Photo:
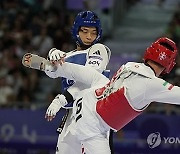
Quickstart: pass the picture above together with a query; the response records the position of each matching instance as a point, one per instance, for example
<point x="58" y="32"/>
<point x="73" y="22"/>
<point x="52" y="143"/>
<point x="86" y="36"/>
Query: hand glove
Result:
<point x="58" y="102"/>
<point x="56" y="55"/>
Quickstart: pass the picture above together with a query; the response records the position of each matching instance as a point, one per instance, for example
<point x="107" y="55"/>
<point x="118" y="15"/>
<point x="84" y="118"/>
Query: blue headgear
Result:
<point x="89" y="19"/>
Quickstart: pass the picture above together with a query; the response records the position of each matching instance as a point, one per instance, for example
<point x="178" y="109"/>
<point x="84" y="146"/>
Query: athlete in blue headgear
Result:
<point x="87" y="32"/>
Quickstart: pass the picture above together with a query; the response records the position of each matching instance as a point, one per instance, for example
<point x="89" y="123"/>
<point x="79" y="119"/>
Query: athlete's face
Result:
<point x="88" y="34"/>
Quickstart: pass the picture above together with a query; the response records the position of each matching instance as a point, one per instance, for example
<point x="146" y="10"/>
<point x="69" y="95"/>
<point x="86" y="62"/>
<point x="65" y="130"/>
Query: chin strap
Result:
<point x="84" y="47"/>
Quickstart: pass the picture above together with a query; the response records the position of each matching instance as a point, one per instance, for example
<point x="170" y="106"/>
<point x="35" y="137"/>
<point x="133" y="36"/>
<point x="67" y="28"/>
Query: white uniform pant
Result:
<point x="71" y="144"/>
<point x="95" y="145"/>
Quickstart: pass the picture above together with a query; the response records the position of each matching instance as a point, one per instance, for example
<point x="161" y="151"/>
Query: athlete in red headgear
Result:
<point x="113" y="104"/>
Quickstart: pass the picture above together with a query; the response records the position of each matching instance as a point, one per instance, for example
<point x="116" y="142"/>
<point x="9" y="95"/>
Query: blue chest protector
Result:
<point x="76" y="59"/>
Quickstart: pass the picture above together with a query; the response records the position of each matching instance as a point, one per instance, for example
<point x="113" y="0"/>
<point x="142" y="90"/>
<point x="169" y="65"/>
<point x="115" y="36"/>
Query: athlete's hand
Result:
<point x="56" y="56"/>
<point x="58" y="102"/>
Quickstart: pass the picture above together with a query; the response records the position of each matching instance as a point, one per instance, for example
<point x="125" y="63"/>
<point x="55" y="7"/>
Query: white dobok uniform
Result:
<point x="97" y="57"/>
<point x="112" y="104"/>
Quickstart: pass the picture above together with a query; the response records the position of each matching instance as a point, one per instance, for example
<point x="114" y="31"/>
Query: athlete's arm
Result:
<point x="163" y="92"/>
<point x="83" y="74"/>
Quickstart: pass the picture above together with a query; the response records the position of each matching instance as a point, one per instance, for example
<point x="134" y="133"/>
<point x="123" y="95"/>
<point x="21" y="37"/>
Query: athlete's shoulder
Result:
<point x="140" y="68"/>
<point x="133" y="64"/>
<point x="99" y="50"/>
<point x="98" y="45"/>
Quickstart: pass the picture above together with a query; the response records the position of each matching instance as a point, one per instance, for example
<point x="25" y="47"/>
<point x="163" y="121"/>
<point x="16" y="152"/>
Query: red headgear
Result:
<point x="164" y="52"/>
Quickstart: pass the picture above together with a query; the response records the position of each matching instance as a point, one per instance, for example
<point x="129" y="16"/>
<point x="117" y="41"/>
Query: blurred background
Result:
<point x="129" y="26"/>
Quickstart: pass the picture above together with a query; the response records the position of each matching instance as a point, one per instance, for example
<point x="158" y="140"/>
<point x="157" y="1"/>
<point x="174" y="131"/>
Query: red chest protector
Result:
<point x="115" y="110"/>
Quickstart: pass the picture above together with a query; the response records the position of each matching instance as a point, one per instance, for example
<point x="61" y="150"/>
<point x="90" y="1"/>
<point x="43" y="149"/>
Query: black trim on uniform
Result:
<point x="68" y="96"/>
<point x="111" y="141"/>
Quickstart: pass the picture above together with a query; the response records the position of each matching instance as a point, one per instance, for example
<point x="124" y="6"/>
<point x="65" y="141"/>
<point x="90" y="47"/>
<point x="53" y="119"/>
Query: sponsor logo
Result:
<point x="97" y="52"/>
<point x="155" y="139"/>
<point x="94" y="62"/>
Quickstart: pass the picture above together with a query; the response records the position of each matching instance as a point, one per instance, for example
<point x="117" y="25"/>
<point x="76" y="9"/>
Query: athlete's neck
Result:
<point x="82" y="47"/>
<point x="158" y="69"/>
<point x="78" y="48"/>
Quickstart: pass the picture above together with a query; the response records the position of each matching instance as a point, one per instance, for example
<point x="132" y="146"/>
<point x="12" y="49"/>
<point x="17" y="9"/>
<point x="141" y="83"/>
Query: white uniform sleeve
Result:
<point x="76" y="88"/>
<point x="79" y="73"/>
<point x="163" y="92"/>
<point x="98" y="57"/>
